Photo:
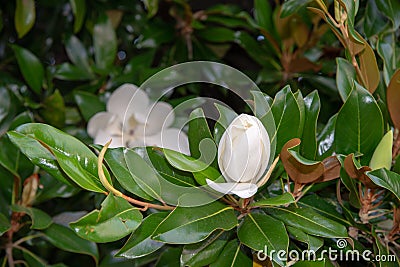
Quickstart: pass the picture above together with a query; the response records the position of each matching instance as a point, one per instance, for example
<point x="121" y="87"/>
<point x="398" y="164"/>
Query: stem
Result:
<point x="117" y="193"/>
<point x="24" y="239"/>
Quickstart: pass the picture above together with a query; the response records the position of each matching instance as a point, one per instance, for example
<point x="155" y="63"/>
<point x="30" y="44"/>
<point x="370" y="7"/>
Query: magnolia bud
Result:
<point x="243" y="155"/>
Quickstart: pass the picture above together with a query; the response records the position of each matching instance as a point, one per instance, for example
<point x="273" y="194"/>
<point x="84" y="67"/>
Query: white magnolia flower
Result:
<point x="243" y="156"/>
<point x="132" y="120"/>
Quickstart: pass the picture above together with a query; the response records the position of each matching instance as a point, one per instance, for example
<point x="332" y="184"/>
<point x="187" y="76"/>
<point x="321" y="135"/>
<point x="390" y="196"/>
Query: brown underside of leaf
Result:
<point x="369" y="68"/>
<point x="358" y="174"/>
<point x="300" y="173"/>
<point x="393" y="99"/>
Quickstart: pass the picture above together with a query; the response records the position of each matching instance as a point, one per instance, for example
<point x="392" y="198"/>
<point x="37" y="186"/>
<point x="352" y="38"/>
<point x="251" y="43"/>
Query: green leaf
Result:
<point x="352" y="8"/>
<point x="115" y="220"/>
<point x="25" y="15"/>
<point x="323" y="207"/>
<point x="391" y="9"/>
<point x="105" y="43"/>
<point x="313" y="243"/>
<point x="309" y="221"/>
<point x="40" y="219"/>
<point x="65" y="239"/>
<point x="89" y="104"/>
<point x="263" y="15"/>
<point x="382" y="157"/>
<point x="386" y="179"/>
<point x="52" y="188"/>
<point x="189" y="164"/>
<point x="374" y="21"/>
<point x="284" y="199"/>
<point x="312" y="105"/>
<point x="140" y="243"/>
<point x="53" y="110"/>
<point x="31" y="68"/>
<point x="77" y="53"/>
<point x="79" y="10"/>
<point x="359" y="125"/>
<point x="345" y="77"/>
<point x="216" y="34"/>
<point x="326" y="139"/>
<point x="5" y="224"/>
<point x="232" y="256"/>
<point x="319" y="263"/>
<point x="201" y="141"/>
<point x="69" y="72"/>
<point x="74" y="158"/>
<point x="261" y="232"/>
<point x="170" y="257"/>
<point x="287" y="117"/>
<point x="38" y="155"/>
<point x="226" y="116"/>
<point x="291" y="7"/>
<point x="32" y="259"/>
<point x="115" y="159"/>
<point x="205" y="252"/>
<point x="194" y="224"/>
<point x="152" y="7"/>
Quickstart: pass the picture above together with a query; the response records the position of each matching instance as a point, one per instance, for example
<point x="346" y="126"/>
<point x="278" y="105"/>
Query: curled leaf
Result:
<point x="303" y="171"/>
<point x="358" y="172"/>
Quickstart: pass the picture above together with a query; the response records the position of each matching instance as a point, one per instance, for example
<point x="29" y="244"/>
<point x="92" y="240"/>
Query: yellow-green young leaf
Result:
<point x="393" y="98"/>
<point x="382" y="157"/>
<point x="25" y="14"/>
<point x="79" y="10"/>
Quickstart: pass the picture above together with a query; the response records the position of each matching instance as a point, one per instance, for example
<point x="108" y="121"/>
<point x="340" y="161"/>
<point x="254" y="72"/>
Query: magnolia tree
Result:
<point x="194" y="182"/>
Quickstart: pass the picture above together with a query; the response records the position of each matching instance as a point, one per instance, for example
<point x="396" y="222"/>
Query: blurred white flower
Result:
<point x="243" y="156"/>
<point x="132" y="120"/>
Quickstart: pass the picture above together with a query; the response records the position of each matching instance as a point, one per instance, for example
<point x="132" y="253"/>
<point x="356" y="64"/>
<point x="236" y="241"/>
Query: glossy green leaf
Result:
<point x="323" y="207"/>
<point x="386" y="50"/>
<point x="194" y="224"/>
<point x="140" y="243"/>
<point x="38" y="155"/>
<point x="40" y="219"/>
<point x="284" y="199"/>
<point x="352" y="9"/>
<point x="52" y="188"/>
<point x="76" y="52"/>
<point x="232" y="256"/>
<point x="345" y="77"/>
<point x="382" y="157"/>
<point x="74" y="158"/>
<point x="287" y="117"/>
<point x="386" y="179"/>
<point x="326" y="139"/>
<point x="205" y="252"/>
<point x="319" y="263"/>
<point x="25" y="16"/>
<point x="186" y="163"/>
<point x="31" y="68"/>
<point x="79" y="10"/>
<point x="151" y="6"/>
<point x="69" y="72"/>
<point x="105" y="43"/>
<point x="53" y="110"/>
<point x="226" y="116"/>
<point x="32" y="259"/>
<point x="252" y="47"/>
<point x="115" y="159"/>
<point x="216" y="34"/>
<point x="263" y="14"/>
<point x="89" y="104"/>
<point x="391" y="9"/>
<point x="374" y="21"/>
<point x="9" y="156"/>
<point x="65" y="239"/>
<point x="170" y="257"/>
<point x="313" y="243"/>
<point x="359" y="125"/>
<point x="309" y="221"/>
<point x="115" y="220"/>
<point x="308" y="146"/>
<point x="291" y="7"/>
<point x="262" y="232"/>
<point x="5" y="224"/>
<point x="201" y="141"/>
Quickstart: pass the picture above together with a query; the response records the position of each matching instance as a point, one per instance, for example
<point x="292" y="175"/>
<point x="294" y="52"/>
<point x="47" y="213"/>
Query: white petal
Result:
<point x="126" y="100"/>
<point x="157" y="116"/>
<point x="103" y="137"/>
<point x="171" y="138"/>
<point x="99" y="122"/>
<point x="242" y="190"/>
